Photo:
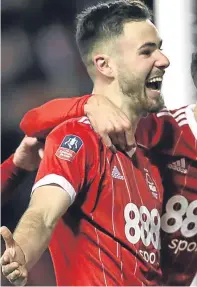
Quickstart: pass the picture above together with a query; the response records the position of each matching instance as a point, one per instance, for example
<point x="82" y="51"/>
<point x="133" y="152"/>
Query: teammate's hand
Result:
<point x="110" y="123"/>
<point x="29" y="154"/>
<point x="13" y="262"/>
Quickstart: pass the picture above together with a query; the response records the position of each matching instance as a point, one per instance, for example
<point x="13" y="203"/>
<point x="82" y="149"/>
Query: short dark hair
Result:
<point x="105" y="20"/>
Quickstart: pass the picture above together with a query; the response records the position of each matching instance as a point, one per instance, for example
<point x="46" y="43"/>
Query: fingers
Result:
<point x="107" y="141"/>
<point x="118" y="133"/>
<point x="9" y="268"/>
<point x="130" y="140"/>
<point x="15" y="274"/>
<point x="29" y="141"/>
<point x="22" y="281"/>
<point x="123" y="120"/>
<point x="5" y="259"/>
<point x="7" y="236"/>
<point x="18" y="278"/>
<point x="114" y="134"/>
<point x="119" y="140"/>
<point x="104" y="133"/>
<point x="115" y="129"/>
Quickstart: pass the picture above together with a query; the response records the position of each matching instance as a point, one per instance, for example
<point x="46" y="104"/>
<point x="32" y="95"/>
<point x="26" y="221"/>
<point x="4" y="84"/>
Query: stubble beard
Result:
<point x="156" y="106"/>
<point x="136" y="91"/>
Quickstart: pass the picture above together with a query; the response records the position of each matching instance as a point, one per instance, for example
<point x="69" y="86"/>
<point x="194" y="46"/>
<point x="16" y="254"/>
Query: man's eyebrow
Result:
<point x="150" y="45"/>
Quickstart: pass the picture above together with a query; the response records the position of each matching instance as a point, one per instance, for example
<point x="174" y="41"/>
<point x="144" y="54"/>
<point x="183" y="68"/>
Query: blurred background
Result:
<point x="40" y="62"/>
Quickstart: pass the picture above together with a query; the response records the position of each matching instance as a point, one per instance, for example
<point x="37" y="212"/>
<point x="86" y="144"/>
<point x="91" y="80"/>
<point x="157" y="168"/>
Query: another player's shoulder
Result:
<point x="179" y="115"/>
<point x="184" y="117"/>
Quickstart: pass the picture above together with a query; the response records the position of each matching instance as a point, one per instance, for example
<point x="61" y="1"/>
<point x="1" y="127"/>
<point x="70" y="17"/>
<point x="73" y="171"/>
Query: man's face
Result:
<point x="140" y="65"/>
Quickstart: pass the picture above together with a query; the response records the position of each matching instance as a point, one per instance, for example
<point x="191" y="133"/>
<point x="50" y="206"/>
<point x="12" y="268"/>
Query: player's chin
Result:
<point x="155" y="101"/>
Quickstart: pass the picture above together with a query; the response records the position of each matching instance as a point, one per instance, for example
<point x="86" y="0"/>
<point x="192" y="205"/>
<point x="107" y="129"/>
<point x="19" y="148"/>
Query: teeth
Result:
<point x="156" y="79"/>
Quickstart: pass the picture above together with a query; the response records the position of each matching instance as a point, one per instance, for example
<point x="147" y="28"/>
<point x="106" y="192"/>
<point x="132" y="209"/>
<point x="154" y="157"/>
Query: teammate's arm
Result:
<point x="40" y="121"/>
<point x="11" y="177"/>
<point x="13" y="171"/>
<point x="32" y="235"/>
<point x="107" y="120"/>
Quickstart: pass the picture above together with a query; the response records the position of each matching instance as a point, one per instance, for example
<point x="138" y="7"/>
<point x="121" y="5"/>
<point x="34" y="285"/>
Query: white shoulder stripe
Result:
<point x="183" y="122"/>
<point x="180" y="117"/>
<point x="177" y="113"/>
<point x="59" y="180"/>
<point x="171" y="113"/>
<point x="165" y="113"/>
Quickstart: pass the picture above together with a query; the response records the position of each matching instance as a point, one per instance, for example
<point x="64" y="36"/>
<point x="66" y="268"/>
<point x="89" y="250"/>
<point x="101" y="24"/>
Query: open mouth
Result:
<point x="154" y="83"/>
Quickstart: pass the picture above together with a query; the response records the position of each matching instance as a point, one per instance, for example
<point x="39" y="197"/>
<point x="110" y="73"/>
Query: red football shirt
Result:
<point x="111" y="233"/>
<point x="172" y="137"/>
<point x="174" y="142"/>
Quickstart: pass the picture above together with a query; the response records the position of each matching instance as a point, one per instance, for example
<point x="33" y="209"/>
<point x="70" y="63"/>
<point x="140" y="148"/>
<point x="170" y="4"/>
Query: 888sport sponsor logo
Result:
<point x="181" y="216"/>
<point x="143" y="224"/>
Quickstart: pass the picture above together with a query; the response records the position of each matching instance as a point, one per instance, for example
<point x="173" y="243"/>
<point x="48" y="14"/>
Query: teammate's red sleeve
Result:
<point x="11" y="177"/>
<point x="40" y="121"/>
<point x="70" y="158"/>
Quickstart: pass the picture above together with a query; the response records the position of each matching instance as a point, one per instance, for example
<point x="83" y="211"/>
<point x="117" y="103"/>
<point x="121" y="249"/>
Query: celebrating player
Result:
<point x="86" y="179"/>
<point x="184" y="166"/>
<point x="179" y="173"/>
<point x="167" y="129"/>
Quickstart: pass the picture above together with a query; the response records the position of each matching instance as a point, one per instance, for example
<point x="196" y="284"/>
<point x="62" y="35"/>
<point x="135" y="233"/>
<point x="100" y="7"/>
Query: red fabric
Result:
<point x="105" y="244"/>
<point x="170" y="137"/>
<point x="165" y="130"/>
<point x="11" y="177"/>
<point x="176" y="147"/>
<point x="40" y="121"/>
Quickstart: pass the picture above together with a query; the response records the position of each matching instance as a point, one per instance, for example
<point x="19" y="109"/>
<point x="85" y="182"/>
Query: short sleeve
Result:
<point x="69" y="159"/>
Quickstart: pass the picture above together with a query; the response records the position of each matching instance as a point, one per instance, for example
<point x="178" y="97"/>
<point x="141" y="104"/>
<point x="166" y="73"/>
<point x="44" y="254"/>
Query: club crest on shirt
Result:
<point x="69" y="147"/>
<point x="151" y="184"/>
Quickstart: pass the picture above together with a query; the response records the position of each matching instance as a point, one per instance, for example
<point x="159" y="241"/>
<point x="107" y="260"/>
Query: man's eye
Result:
<point x="147" y="52"/>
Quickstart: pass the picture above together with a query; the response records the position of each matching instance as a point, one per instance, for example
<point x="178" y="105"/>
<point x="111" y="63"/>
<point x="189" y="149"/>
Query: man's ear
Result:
<point x="102" y="64"/>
